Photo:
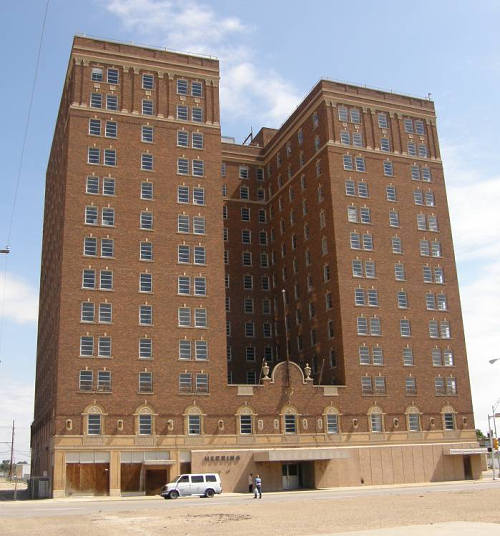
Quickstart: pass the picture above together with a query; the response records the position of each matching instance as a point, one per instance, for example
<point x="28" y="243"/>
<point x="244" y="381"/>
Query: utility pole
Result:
<point x="11" y="450"/>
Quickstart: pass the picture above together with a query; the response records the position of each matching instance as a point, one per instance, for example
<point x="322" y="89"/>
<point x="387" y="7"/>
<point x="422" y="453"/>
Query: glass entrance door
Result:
<point x="290" y="475"/>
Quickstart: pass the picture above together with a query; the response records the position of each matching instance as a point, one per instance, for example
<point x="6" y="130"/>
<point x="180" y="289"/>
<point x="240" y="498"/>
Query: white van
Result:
<point x="202" y="485"/>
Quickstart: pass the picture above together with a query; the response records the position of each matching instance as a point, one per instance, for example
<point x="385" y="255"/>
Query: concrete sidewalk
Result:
<point x="453" y="528"/>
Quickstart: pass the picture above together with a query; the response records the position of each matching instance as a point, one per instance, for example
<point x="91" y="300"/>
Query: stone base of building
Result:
<point x="144" y="471"/>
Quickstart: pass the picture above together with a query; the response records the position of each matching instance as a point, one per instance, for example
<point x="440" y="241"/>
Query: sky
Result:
<point x="272" y="54"/>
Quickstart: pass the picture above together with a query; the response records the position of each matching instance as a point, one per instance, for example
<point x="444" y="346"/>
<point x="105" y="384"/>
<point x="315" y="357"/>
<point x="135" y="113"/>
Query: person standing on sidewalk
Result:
<point x="257" y="490"/>
<point x="250" y="483"/>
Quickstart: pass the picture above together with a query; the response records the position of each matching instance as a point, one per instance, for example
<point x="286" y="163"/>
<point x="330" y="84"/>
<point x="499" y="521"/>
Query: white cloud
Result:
<point x="247" y="91"/>
<point x="473" y="201"/>
<point x="20" y="299"/>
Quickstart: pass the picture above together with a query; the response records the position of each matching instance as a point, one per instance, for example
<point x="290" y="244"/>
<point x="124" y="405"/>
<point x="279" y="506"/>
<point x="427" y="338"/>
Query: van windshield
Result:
<point x="182" y="478"/>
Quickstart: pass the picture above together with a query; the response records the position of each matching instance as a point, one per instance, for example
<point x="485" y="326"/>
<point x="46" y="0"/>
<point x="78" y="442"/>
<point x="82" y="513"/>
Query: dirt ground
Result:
<point x="302" y="516"/>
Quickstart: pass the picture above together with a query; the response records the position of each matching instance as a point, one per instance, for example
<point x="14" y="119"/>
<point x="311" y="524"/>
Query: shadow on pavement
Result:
<point x="8" y="495"/>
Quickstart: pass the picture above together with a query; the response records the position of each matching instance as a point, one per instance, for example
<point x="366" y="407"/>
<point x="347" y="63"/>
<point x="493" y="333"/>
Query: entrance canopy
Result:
<point x="462" y="452"/>
<point x="299" y="454"/>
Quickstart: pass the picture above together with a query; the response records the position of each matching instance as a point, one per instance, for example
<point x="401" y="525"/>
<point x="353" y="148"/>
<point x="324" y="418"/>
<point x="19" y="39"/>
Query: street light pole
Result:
<point x="493" y="416"/>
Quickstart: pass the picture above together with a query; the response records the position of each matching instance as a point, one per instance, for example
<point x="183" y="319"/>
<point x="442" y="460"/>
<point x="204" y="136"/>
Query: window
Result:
<point x="95" y="127"/>
<point x="145" y="424"/>
<point x="94" y="155"/>
<point x="419" y="127"/>
<point x="146" y="220"/>
<point x="147" y="107"/>
<point x="104" y="347"/>
<point x="345" y="137"/>
<point x="87" y="312"/>
<point x="146" y="251"/>
<point x="397" y="246"/>
<point x="404" y="328"/>
<point x="95" y="100"/>
<point x="360" y="163"/>
<point x="198" y="168"/>
<point x="145" y="382"/>
<point x="407" y="357"/>
<point x="449" y="421"/>
<point x="366" y="385"/>
<point x="350" y="188"/>
<point x="422" y="151"/>
<point x="402" y="300"/>
<point x="111" y="102"/>
<point x="183" y="223"/>
<point x="394" y="218"/>
<point x="200" y="318"/>
<point x="93" y="424"/>
<point x="147" y="161"/>
<point x="390" y="193"/>
<point x="185" y="382"/>
<point x="197" y="115"/>
<point x="196" y="89"/>
<point x="182" y="87"/>
<point x="182" y="113"/>
<point x="182" y="194"/>
<point x="105" y="313"/>
<point x="348" y="166"/>
<point x="332" y="424"/>
<point x="88" y="279"/>
<point x="92" y="185"/>
<point x="111" y="129"/>
<point x="86" y="346"/>
<point x="376" y="424"/>
<point x="343" y="114"/>
<point x="184" y="316"/>
<point x="145" y="348"/>
<point x="388" y="169"/>
<point x="408" y="125"/>
<point x="199" y="255"/>
<point x="290" y="424"/>
<point x="147" y="134"/>
<point x="86" y="380"/>
<point x="365" y="215"/>
<point x="108" y="217"/>
<point x="109" y="157"/>
<point x="90" y="246"/>
<point x="146" y="315"/>
<point x="96" y="74"/>
<point x="244" y="192"/>
<point x="145" y="282"/>
<point x="399" y="272"/>
<point x="147" y="190"/>
<point x="433" y="329"/>
<point x="412" y="149"/>
<point x="104" y="380"/>
<point x="197" y="140"/>
<point x="106" y="280"/>
<point x="385" y="145"/>
<point x="382" y="120"/>
<point x="199" y="225"/>
<point x="245" y="424"/>
<point x="200" y="286"/>
<point x="357" y="139"/>
<point x="113" y="76"/>
<point x="194" y="424"/>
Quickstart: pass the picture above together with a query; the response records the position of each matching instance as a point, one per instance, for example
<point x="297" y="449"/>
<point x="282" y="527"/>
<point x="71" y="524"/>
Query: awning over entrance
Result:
<point x="462" y="452"/>
<point x="299" y="454"/>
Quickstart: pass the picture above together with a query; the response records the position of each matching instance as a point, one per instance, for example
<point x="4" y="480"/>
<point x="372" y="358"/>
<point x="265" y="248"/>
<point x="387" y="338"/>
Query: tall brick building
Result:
<point x="287" y="306"/>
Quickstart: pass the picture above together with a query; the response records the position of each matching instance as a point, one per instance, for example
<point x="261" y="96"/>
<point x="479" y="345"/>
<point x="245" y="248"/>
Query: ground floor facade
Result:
<point x="142" y="470"/>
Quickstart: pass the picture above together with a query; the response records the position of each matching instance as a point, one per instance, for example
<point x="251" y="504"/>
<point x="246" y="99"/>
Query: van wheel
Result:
<point x="209" y="493"/>
<point x="173" y="494"/>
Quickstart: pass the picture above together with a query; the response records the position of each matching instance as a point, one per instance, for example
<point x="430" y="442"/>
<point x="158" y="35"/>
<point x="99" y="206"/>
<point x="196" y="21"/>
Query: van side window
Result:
<point x="183" y="478"/>
<point x="196" y="478"/>
<point x="211" y="478"/>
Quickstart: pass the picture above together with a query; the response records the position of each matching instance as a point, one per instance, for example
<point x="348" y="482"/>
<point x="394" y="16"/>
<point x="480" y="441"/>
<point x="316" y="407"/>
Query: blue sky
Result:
<point x="271" y="54"/>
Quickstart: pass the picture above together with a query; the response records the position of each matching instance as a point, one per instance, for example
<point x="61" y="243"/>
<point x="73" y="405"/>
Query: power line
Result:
<point x="28" y="120"/>
<point x="20" y="168"/>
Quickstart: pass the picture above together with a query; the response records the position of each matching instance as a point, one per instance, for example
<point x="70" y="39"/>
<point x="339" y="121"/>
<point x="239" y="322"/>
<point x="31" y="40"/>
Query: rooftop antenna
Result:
<point x="249" y="136"/>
